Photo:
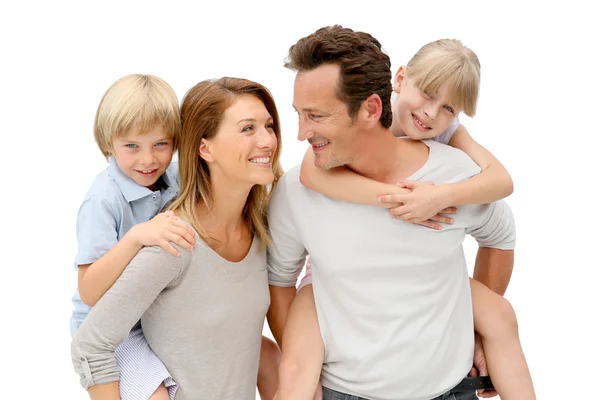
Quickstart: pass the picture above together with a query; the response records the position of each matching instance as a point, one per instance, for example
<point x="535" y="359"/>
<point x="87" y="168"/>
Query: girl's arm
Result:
<point x="425" y="200"/>
<point x="492" y="184"/>
<point x="342" y="184"/>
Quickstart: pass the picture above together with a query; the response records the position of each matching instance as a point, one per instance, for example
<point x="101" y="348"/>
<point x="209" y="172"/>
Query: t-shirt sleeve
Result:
<point x="494" y="226"/>
<point x="97" y="230"/>
<point x="445" y="136"/>
<point x="286" y="254"/>
<point x="110" y="320"/>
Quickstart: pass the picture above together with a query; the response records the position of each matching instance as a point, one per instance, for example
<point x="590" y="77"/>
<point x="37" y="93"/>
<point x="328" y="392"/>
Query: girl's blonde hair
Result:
<point x="201" y="114"/>
<point x="447" y="60"/>
<point x="143" y="102"/>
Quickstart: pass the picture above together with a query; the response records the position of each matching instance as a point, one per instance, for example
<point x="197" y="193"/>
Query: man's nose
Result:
<point x="305" y="131"/>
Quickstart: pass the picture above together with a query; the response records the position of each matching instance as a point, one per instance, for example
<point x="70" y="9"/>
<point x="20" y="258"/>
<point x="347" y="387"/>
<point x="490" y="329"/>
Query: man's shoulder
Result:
<point x="290" y="179"/>
<point x="447" y="164"/>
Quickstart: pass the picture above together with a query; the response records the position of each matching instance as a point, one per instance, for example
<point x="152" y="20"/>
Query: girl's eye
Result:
<point x="162" y="144"/>
<point x="131" y="146"/>
<point x="448" y="108"/>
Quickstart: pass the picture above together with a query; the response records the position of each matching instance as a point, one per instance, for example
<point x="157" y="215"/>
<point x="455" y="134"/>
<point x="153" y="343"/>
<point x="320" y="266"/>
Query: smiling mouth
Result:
<point x="420" y="123"/>
<point x="264" y="161"/>
<point x="146" y="172"/>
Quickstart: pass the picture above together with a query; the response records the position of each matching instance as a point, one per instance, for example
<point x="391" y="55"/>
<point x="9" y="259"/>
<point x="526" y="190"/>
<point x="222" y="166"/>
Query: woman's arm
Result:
<point x="342" y="184"/>
<point x="110" y="320"/>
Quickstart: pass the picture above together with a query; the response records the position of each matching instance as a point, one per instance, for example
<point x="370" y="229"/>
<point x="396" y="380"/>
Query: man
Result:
<point x="392" y="298"/>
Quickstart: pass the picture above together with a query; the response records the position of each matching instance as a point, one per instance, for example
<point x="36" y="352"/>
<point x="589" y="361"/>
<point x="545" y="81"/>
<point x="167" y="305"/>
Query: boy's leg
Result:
<point x="162" y="393"/>
<point x="268" y="379"/>
<point x="303" y="350"/>
<point x="106" y="391"/>
<point x="496" y="322"/>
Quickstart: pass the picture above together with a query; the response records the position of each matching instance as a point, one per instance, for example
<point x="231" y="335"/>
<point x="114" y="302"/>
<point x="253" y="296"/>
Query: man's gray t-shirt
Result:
<point x="393" y="298"/>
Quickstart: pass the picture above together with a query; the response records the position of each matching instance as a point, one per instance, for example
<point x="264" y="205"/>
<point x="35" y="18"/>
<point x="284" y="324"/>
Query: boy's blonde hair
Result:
<point x="447" y="60"/>
<point x="143" y="102"/>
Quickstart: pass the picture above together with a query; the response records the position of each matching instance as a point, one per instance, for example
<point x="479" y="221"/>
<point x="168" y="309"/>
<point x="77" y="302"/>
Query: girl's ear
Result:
<point x="204" y="151"/>
<point x="399" y="78"/>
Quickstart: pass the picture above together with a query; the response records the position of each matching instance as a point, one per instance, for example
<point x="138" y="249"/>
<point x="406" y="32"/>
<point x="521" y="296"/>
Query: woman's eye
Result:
<point x="248" y="128"/>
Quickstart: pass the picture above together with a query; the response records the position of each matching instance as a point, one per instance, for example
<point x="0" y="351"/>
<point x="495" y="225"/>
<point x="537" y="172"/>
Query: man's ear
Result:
<point x="371" y="110"/>
<point x="399" y="78"/>
<point x="204" y="151"/>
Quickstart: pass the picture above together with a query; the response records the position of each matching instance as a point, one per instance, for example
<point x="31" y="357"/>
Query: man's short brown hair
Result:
<point x="364" y="68"/>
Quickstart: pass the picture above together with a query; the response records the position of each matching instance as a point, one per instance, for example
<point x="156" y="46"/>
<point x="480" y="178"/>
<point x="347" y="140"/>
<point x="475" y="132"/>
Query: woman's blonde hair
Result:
<point x="447" y="60"/>
<point x="201" y="114"/>
<point x="143" y="102"/>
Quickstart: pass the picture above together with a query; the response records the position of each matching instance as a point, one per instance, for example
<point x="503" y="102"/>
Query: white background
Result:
<point x="537" y="113"/>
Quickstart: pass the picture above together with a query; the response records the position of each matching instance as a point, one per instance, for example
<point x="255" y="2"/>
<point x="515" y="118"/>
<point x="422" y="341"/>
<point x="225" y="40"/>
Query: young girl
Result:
<point x="439" y="82"/>
<point x="137" y="128"/>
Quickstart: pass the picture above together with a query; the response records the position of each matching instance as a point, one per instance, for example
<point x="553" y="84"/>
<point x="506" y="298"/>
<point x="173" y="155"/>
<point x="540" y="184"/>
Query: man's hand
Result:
<point x="424" y="205"/>
<point x="162" y="229"/>
<point x="480" y="367"/>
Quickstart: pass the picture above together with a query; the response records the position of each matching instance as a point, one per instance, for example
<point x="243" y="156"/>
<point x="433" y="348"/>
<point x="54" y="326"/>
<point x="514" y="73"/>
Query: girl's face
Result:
<point x="420" y="115"/>
<point x="242" y="151"/>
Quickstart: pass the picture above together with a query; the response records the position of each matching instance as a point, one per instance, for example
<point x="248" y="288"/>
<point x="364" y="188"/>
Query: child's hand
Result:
<point x="424" y="205"/>
<point x="163" y="229"/>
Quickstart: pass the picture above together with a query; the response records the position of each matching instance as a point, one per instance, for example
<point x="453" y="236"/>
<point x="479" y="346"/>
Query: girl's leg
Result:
<point x="303" y="350"/>
<point x="496" y="322"/>
<point x="270" y="357"/>
<point x="161" y="393"/>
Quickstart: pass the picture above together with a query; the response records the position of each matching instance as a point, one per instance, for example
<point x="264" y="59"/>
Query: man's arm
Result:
<point x="495" y="232"/>
<point x="493" y="268"/>
<point x="281" y="299"/>
<point x="285" y="257"/>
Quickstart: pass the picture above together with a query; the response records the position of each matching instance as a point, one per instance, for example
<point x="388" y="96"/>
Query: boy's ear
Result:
<point x="204" y="151"/>
<point x="399" y="78"/>
<point x="371" y="110"/>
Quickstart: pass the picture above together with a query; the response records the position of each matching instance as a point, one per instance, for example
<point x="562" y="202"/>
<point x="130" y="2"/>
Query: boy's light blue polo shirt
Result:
<point x="112" y="206"/>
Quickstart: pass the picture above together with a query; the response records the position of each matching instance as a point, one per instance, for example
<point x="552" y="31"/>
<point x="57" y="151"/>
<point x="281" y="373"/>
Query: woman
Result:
<point x="202" y="312"/>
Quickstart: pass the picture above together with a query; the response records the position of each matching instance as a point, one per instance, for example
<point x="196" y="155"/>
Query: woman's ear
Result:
<point x="204" y="151"/>
<point x="399" y="78"/>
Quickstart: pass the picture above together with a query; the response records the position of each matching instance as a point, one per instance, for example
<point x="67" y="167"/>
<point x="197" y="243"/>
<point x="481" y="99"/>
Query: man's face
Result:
<point x="323" y="119"/>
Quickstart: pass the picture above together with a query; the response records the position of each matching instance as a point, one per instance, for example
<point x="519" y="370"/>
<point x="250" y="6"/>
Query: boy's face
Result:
<point x="417" y="114"/>
<point x="143" y="157"/>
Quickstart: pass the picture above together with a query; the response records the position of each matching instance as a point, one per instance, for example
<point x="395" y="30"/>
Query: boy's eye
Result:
<point x="162" y="143"/>
<point x="131" y="145"/>
<point x="448" y="108"/>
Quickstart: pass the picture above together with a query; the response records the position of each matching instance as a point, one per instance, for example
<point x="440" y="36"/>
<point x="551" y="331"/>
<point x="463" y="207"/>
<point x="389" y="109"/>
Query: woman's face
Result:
<point x="245" y="144"/>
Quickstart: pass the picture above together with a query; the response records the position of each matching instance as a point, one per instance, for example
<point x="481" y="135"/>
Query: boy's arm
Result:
<point x="102" y="259"/>
<point x="342" y="184"/>
<point x="95" y="279"/>
<point x="492" y="184"/>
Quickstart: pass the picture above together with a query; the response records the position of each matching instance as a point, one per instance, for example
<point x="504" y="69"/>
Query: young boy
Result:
<point x="136" y="128"/>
